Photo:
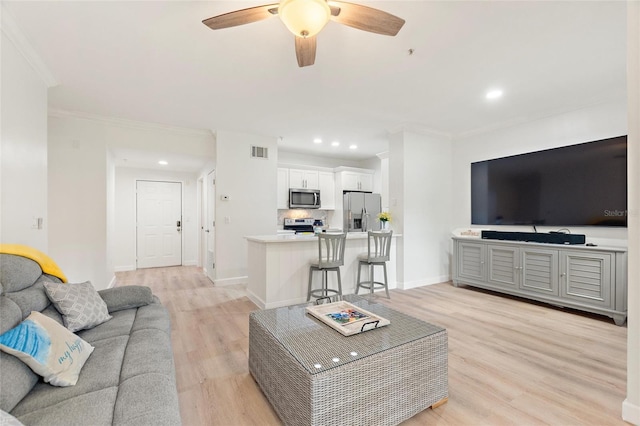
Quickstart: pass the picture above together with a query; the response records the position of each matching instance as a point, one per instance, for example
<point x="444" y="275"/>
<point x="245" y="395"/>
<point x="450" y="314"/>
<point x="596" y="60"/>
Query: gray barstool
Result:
<point x="330" y="258"/>
<point x="378" y="248"/>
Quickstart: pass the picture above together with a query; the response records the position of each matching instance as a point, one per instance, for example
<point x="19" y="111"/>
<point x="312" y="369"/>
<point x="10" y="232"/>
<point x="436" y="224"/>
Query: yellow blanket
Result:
<point x="46" y="263"/>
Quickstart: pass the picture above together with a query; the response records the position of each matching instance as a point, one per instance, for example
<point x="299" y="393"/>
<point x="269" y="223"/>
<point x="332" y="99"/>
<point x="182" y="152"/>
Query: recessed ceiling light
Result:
<point x="494" y="94"/>
<point x="317" y="140"/>
<point x="335" y="143"/>
<point x="354" y="146"/>
<point x="162" y="163"/>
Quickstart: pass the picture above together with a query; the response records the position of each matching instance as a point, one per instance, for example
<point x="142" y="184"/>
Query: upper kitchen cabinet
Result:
<point x="283" y="188"/>
<point x="304" y="179"/>
<point x="356" y="181"/>
<point x="327" y="191"/>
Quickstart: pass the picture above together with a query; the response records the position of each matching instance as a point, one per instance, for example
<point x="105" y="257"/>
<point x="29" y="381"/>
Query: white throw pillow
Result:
<point x="80" y="304"/>
<point x="48" y="348"/>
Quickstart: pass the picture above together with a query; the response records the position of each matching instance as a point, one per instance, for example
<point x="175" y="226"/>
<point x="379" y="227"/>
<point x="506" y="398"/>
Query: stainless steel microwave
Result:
<point x="304" y="198"/>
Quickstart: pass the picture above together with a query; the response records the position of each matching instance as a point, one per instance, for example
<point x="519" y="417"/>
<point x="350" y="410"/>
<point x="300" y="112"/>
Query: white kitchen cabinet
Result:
<point x="304" y="179"/>
<point x="327" y="190"/>
<point x="283" y="188"/>
<point x="354" y="181"/>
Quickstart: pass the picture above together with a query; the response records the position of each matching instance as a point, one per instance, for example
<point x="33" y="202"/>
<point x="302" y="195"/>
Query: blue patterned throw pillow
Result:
<point x="48" y="348"/>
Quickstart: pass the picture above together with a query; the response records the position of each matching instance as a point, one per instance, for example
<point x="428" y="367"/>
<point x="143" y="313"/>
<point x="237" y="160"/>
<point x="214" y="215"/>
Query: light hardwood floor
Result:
<point x="511" y="362"/>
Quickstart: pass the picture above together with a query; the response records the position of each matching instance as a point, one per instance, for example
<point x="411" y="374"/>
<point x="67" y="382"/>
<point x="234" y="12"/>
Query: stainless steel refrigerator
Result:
<point x="361" y="211"/>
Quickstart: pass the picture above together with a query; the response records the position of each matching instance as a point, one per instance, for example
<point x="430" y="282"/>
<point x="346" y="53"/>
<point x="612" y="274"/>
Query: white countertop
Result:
<point x="287" y="238"/>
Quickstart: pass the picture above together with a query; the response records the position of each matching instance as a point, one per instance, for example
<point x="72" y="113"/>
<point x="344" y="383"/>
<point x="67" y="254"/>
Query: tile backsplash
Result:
<point x="324" y="215"/>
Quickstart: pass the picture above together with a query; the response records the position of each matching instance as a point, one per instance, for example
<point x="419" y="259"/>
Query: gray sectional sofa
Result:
<point x="129" y="379"/>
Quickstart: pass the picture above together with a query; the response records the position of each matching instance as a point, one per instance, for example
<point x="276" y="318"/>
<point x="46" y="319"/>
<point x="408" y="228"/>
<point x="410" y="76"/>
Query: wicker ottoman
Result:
<point x="313" y="375"/>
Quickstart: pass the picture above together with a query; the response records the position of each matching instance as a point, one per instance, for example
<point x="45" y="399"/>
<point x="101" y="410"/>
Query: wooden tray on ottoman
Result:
<point x="314" y="376"/>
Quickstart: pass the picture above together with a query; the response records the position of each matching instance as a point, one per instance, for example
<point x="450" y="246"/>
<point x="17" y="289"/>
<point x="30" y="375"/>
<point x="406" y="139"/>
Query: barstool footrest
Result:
<point x="367" y="284"/>
<point x="323" y="292"/>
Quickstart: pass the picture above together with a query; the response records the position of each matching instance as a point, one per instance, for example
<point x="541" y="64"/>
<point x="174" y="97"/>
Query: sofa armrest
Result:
<point x="127" y="297"/>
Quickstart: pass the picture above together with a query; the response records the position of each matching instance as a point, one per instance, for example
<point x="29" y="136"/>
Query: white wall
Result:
<point x="111" y="219"/>
<point x="250" y="185"/>
<point x="78" y="182"/>
<point x="631" y="405"/>
<point x="23" y="150"/>
<point x="296" y="158"/>
<point x="82" y="188"/>
<point x="584" y="125"/>
<point x="125" y="214"/>
<point x="420" y="206"/>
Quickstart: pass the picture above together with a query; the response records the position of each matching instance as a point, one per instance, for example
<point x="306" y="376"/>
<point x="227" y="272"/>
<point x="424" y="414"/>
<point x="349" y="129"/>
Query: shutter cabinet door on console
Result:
<point x="539" y="271"/>
<point x="471" y="261"/>
<point x="587" y="277"/>
<point x="503" y="266"/>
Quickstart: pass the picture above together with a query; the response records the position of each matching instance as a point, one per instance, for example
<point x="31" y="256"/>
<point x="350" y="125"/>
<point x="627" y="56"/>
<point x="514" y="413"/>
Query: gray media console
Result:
<point x="592" y="279"/>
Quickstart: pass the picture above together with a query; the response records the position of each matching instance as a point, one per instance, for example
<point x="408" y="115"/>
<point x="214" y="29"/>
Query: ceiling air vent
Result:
<point x="259" y="152"/>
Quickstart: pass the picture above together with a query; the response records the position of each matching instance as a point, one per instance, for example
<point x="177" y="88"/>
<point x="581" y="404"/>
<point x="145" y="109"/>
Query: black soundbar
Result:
<point x="535" y="237"/>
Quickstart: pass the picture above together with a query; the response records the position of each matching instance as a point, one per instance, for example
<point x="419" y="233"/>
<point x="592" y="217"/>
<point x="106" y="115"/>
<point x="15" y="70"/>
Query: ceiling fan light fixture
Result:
<point x="304" y="18"/>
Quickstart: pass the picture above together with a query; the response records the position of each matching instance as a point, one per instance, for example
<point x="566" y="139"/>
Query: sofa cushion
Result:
<point x="136" y="406"/>
<point x="49" y="349"/>
<point x="30" y="299"/>
<point x="93" y="408"/>
<point x="119" y="325"/>
<point x="80" y="304"/>
<point x="16" y="379"/>
<point x="7" y="419"/>
<point x="101" y="371"/>
<point x="17" y="272"/>
<point x="127" y="297"/>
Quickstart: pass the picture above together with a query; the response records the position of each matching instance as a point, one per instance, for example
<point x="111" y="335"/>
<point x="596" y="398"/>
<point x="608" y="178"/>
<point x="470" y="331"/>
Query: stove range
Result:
<point x="300" y="225"/>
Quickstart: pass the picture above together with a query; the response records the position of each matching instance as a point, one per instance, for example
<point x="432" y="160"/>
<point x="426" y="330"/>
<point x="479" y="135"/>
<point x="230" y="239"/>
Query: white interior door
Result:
<point x="210" y="228"/>
<point x="159" y="224"/>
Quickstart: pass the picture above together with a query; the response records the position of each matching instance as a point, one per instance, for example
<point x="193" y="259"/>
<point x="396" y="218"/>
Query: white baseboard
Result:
<point x="230" y="281"/>
<point x="190" y="263"/>
<point x="112" y="283"/>
<point x="414" y="284"/>
<point x="124" y="268"/>
<point x="255" y="299"/>
<point x="631" y="413"/>
<point x="263" y="305"/>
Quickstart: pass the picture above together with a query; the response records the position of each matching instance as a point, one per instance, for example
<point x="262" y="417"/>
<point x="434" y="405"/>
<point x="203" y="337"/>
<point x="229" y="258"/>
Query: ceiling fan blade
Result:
<point x="366" y="18"/>
<point x="306" y="51"/>
<point x="241" y="17"/>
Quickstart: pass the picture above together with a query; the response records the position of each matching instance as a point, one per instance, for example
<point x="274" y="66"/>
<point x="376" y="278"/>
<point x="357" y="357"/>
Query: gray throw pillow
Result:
<point x="80" y="304"/>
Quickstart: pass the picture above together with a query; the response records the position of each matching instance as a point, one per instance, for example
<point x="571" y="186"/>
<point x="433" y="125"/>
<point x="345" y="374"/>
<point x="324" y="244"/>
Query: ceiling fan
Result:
<point x="305" y="19"/>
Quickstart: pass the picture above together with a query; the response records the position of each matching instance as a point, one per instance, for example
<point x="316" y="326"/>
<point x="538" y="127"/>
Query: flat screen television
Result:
<point x="576" y="185"/>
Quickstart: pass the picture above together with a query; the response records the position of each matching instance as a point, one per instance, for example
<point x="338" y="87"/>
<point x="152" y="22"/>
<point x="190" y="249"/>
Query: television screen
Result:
<point x="577" y="185"/>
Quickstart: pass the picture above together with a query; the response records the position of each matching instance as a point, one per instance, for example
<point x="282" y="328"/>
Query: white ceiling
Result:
<point x="154" y="61"/>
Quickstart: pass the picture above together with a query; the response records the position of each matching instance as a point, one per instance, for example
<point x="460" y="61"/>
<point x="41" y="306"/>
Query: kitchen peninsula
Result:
<point x="279" y="267"/>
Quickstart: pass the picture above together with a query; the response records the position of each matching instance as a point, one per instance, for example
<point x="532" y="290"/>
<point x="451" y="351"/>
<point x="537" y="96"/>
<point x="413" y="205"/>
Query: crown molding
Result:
<point x="420" y="129"/>
<point x="530" y="119"/>
<point x="13" y="33"/>
<point x="129" y="124"/>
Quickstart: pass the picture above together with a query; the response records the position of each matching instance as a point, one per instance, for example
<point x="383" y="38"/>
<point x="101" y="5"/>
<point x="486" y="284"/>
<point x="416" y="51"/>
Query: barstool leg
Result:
<point x="371" y="279"/>
<point x="339" y="282"/>
<point x="310" y="279"/>
<point x="325" y="285"/>
<point x="386" y="283"/>
<point x="358" y="279"/>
